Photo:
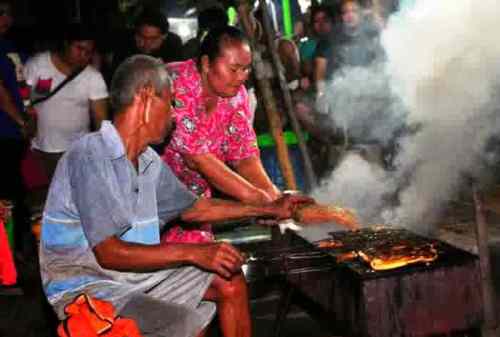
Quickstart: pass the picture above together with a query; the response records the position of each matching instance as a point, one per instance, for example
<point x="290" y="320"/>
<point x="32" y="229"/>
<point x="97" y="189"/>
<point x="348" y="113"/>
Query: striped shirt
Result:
<point x="97" y="193"/>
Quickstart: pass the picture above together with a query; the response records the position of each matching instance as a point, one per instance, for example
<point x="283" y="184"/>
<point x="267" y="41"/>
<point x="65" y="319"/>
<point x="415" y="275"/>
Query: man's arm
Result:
<point x="99" y="110"/>
<point x="226" y="180"/>
<point x="116" y="254"/>
<point x="216" y="210"/>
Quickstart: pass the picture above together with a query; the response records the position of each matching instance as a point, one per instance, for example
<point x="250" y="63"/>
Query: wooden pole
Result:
<point x="308" y="167"/>
<point x="265" y="90"/>
<point x="490" y="320"/>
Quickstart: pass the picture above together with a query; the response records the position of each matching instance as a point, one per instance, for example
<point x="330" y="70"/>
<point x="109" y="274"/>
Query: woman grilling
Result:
<point x="214" y="146"/>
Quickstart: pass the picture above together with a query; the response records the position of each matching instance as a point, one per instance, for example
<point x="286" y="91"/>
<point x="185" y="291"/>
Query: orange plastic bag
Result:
<point x="8" y="273"/>
<point x="90" y="317"/>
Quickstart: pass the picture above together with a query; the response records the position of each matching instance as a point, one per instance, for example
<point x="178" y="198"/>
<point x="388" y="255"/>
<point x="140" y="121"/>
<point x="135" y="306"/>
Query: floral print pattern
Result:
<point x="227" y="133"/>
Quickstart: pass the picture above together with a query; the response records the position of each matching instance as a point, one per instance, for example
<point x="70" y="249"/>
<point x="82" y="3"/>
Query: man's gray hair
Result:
<point x="135" y="73"/>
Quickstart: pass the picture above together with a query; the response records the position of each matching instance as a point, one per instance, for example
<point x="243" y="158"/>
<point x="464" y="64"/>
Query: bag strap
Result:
<point x="59" y="87"/>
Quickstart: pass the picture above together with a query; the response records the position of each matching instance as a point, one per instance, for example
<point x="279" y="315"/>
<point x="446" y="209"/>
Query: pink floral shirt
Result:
<point x="227" y="133"/>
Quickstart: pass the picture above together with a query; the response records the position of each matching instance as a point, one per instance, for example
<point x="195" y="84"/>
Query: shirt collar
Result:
<point x="115" y="148"/>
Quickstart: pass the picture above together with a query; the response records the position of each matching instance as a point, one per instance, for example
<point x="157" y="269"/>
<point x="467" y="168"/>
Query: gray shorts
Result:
<point x="169" y="303"/>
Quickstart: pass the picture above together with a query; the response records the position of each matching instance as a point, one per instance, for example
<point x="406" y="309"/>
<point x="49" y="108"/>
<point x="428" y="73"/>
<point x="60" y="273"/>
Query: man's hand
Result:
<point x="221" y="258"/>
<point x="285" y="205"/>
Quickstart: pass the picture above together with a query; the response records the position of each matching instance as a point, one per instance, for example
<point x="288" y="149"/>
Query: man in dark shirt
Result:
<point x="151" y="37"/>
<point x="13" y="128"/>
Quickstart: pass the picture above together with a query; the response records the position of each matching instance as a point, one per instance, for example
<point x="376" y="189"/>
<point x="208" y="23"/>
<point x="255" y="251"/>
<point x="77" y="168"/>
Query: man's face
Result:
<point x="6" y="18"/>
<point x="79" y="53"/>
<point x="322" y="25"/>
<point x="148" y="39"/>
<point x="230" y="69"/>
<point x="351" y="15"/>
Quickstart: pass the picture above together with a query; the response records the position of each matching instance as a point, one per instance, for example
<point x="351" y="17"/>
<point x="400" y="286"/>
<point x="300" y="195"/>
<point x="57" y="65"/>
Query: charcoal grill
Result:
<point x="428" y="299"/>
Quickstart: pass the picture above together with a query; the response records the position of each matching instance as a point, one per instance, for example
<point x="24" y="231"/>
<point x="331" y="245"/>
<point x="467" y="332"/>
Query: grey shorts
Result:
<point x="169" y="303"/>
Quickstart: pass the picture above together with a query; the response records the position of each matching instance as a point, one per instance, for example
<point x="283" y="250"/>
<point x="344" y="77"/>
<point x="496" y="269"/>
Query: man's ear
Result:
<point x="142" y="102"/>
<point x="148" y="93"/>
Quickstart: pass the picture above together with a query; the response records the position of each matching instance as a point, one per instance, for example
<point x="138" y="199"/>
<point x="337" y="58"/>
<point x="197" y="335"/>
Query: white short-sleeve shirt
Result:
<point x="64" y="117"/>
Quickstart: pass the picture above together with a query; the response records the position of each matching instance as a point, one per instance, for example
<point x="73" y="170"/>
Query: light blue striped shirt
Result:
<point x="97" y="193"/>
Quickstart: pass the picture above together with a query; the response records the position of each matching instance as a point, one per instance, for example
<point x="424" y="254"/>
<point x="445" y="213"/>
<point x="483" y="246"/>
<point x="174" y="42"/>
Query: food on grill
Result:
<point x="329" y="243"/>
<point x="348" y="256"/>
<point x="398" y="256"/>
<point x="316" y="214"/>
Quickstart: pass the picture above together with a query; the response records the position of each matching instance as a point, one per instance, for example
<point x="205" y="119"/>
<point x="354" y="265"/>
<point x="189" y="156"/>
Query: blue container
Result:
<point x="271" y="165"/>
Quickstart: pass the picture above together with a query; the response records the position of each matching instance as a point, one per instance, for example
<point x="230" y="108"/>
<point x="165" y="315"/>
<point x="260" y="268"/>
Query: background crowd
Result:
<point x="54" y="90"/>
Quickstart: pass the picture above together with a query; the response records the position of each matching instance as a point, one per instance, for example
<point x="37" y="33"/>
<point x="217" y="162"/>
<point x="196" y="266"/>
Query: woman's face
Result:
<point x="322" y="25"/>
<point x="227" y="72"/>
<point x="351" y="15"/>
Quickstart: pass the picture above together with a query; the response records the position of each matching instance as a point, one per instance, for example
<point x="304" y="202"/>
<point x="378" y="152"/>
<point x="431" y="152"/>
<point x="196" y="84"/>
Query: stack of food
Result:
<point x="385" y="258"/>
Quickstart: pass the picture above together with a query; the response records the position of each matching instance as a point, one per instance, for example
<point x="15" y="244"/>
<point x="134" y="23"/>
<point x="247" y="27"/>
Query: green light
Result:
<point x="287" y="19"/>
<point x="231" y="13"/>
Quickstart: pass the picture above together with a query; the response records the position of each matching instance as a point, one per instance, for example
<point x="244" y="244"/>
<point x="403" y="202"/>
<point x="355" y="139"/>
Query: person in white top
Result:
<point x="65" y="117"/>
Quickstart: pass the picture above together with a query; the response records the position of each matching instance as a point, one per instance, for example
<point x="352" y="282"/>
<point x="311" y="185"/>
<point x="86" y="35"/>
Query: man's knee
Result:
<point x="234" y="288"/>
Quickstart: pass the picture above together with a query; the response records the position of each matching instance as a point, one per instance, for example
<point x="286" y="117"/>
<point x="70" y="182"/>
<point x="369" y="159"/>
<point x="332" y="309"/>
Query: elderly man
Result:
<point x="110" y="197"/>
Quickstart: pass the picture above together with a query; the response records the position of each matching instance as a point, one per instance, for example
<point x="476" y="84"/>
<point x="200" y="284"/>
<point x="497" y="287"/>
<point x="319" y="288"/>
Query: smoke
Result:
<point x="440" y="79"/>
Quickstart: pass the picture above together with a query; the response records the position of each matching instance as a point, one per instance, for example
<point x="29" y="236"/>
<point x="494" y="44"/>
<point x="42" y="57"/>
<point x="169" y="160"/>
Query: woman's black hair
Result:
<point x="212" y="17"/>
<point x="213" y="42"/>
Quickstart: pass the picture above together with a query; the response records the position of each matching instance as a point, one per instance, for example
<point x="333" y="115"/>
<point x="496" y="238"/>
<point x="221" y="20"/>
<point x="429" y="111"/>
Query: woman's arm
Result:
<point x="319" y="74"/>
<point x="228" y="181"/>
<point x="252" y="170"/>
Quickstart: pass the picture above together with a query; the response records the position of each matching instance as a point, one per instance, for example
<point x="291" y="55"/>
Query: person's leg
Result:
<point x="49" y="162"/>
<point x="186" y="287"/>
<point x="231" y="297"/>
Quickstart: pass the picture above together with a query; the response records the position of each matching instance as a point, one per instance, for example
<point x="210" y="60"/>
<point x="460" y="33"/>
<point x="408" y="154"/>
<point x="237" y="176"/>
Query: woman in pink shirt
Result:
<point x="214" y="145"/>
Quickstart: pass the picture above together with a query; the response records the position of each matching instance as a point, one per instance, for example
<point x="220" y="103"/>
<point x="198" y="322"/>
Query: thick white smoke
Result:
<point x="443" y="68"/>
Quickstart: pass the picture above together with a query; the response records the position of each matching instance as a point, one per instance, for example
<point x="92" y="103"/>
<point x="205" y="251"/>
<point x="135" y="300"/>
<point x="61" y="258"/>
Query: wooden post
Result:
<point x="490" y="320"/>
<point x="308" y="167"/>
<point x="265" y="89"/>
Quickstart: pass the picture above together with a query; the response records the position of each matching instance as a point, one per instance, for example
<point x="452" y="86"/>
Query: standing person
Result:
<point x="64" y="117"/>
<point x="214" y="146"/>
<point x="109" y="200"/>
<point x="355" y="44"/>
<point x="320" y="27"/>
<point x="151" y="37"/>
<point x="13" y="131"/>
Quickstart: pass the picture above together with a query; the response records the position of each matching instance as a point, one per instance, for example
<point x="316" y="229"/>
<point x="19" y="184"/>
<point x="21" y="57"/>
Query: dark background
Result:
<point x="38" y="23"/>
